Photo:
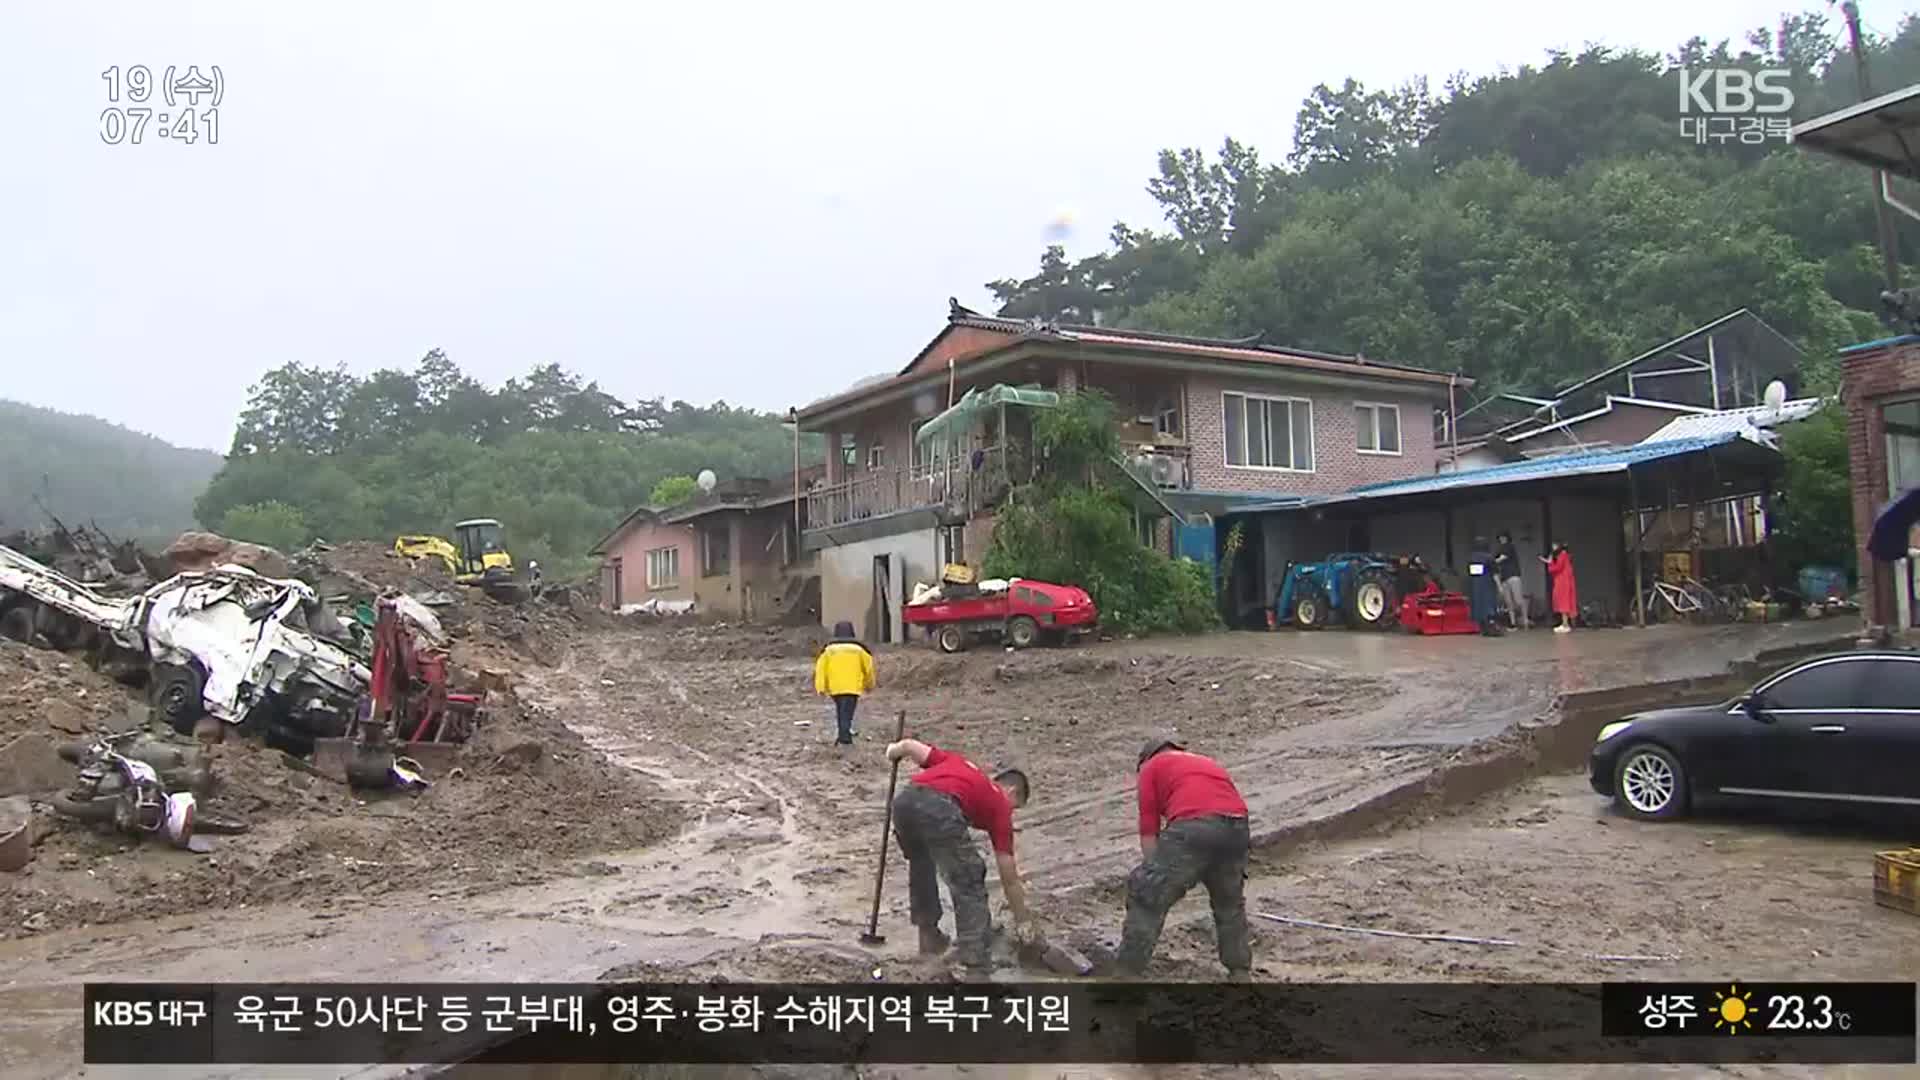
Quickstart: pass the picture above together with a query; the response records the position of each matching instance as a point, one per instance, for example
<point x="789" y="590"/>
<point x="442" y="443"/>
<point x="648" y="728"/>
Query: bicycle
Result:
<point x="1678" y="602"/>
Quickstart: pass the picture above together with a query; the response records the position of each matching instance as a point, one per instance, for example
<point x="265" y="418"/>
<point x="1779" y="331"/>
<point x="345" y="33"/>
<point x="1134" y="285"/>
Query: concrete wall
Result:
<point x="1593" y="534"/>
<point x="847" y="580"/>
<point x="631" y="548"/>
<point x="1414" y="532"/>
<point x="1338" y="463"/>
<point x="1526" y="519"/>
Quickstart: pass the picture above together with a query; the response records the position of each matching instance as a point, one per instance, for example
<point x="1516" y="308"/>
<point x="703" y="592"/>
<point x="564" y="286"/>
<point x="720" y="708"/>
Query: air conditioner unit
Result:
<point x="1165" y="470"/>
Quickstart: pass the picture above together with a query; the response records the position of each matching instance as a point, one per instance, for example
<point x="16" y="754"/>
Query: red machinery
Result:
<point x="409" y="686"/>
<point x="1433" y="610"/>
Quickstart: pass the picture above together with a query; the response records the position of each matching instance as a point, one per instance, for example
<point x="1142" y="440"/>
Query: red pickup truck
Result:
<point x="1028" y="611"/>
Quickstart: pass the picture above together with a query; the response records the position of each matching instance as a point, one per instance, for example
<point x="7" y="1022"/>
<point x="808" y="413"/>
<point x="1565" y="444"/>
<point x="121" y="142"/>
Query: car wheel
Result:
<point x="1649" y="783"/>
<point x="951" y="639"/>
<point x="1022" y="632"/>
<point x="177" y="690"/>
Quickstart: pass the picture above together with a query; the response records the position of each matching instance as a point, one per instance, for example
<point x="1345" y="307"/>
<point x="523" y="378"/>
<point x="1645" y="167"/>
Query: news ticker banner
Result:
<point x="998" y="1023"/>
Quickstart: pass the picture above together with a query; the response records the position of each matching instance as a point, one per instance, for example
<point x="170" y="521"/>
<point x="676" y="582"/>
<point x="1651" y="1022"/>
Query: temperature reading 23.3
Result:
<point x="1794" y="1012"/>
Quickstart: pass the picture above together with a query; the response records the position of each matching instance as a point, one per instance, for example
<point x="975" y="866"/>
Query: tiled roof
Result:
<point x="1241" y="350"/>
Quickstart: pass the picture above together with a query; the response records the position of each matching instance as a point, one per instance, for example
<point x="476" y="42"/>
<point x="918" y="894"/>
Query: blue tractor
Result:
<point x="1358" y="588"/>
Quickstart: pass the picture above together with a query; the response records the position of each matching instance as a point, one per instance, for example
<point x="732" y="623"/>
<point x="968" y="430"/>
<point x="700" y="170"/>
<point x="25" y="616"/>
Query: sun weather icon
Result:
<point x="1734" y="1011"/>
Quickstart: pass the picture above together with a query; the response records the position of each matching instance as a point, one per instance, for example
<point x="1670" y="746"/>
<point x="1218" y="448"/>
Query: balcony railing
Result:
<point x="968" y="483"/>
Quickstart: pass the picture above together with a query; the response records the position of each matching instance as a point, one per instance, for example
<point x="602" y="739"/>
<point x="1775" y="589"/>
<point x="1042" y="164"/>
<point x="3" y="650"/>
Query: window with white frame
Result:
<point x="1166" y="415"/>
<point x="1378" y="426"/>
<point x="663" y="568"/>
<point x="1268" y="432"/>
<point x="876" y="455"/>
<point x="849" y="450"/>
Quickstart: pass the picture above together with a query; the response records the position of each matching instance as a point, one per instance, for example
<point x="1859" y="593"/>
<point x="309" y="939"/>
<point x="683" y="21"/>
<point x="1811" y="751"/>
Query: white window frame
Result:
<point x="1313" y="448"/>
<point x="876" y="456"/>
<point x="1399" y="429"/>
<point x="655" y="580"/>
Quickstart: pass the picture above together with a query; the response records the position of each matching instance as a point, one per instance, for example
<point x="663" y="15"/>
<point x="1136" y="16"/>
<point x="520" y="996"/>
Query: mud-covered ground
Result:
<point x="695" y="821"/>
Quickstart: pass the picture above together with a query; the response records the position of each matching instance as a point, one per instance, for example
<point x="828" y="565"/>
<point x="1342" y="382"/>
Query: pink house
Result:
<point x="733" y="552"/>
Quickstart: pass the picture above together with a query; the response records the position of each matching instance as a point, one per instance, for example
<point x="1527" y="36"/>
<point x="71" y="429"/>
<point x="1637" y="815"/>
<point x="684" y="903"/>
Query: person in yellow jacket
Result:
<point x="843" y="672"/>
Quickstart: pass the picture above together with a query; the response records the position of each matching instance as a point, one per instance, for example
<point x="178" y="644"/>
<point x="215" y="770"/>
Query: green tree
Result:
<point x="673" y="490"/>
<point x="1813" y="516"/>
<point x="556" y="459"/>
<point x="1073" y="525"/>
<point x="274" y="524"/>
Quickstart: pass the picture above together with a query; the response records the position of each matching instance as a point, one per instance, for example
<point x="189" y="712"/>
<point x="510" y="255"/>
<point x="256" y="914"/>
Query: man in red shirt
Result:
<point x="1203" y="840"/>
<point x="931" y="817"/>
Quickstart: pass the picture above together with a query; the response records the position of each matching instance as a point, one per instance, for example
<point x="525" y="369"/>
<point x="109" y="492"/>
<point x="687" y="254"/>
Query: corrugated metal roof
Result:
<point x="1560" y="465"/>
<point x="1736" y="421"/>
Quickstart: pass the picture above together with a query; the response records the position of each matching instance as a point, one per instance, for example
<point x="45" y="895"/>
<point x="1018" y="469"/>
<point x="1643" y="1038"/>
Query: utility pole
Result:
<point x="1889" y="251"/>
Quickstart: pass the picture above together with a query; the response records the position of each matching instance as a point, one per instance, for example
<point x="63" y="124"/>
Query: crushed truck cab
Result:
<point x="224" y="642"/>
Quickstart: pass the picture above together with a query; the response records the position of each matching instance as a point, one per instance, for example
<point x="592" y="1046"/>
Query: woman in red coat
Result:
<point x="1566" y="600"/>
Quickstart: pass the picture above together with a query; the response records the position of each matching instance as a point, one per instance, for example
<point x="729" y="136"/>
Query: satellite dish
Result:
<point x="1775" y="395"/>
<point x="706" y="480"/>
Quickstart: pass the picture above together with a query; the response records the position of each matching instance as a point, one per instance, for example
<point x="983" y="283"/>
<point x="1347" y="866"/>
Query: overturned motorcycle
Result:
<point x="140" y="785"/>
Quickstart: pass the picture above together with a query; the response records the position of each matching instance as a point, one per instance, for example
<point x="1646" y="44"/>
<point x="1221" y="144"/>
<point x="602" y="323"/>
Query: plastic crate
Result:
<point x="1896" y="880"/>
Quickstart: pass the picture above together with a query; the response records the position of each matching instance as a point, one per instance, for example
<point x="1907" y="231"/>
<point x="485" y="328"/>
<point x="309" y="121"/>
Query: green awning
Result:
<point x="956" y="420"/>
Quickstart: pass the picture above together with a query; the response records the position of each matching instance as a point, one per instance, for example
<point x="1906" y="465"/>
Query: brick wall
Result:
<point x="1867" y="382"/>
<point x="1338" y="463"/>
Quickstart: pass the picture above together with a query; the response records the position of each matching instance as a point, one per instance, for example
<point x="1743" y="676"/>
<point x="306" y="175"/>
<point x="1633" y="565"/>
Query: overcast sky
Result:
<point x="698" y="201"/>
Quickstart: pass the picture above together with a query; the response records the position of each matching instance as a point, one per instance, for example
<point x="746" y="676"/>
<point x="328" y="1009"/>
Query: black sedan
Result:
<point x="1837" y="729"/>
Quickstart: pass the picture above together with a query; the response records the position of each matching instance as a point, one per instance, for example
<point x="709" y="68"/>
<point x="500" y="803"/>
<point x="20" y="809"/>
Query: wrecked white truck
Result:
<point x="262" y="653"/>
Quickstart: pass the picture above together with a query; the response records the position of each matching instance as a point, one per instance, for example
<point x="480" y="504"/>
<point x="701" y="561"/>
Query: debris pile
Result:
<point x="88" y="555"/>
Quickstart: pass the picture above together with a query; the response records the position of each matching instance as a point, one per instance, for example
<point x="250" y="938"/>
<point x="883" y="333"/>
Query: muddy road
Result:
<point x="771" y="833"/>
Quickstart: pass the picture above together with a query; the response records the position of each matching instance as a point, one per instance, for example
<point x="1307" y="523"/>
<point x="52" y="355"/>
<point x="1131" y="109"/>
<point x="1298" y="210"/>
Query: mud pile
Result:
<point x="521" y="801"/>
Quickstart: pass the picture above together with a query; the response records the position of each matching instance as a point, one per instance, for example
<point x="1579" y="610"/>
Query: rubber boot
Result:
<point x="932" y="941"/>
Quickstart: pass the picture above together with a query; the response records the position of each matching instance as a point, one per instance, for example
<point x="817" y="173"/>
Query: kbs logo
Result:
<point x="123" y="1014"/>
<point x="1724" y="104"/>
<point x="1735" y="91"/>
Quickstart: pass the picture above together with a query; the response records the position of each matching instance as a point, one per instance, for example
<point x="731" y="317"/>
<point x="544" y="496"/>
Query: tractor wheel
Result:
<point x="950" y="638"/>
<point x="1022" y="632"/>
<point x="176" y="693"/>
<point x="1310" y="609"/>
<point x="1370" y="605"/>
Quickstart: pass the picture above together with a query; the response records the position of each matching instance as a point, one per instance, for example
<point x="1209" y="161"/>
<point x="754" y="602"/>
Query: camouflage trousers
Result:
<point x="935" y="838"/>
<point x="1210" y="851"/>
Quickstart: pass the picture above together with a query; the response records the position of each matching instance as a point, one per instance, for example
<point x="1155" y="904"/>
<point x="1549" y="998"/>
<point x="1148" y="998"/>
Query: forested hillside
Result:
<point x="1522" y="228"/>
<point x="82" y="469"/>
<point x="327" y="454"/>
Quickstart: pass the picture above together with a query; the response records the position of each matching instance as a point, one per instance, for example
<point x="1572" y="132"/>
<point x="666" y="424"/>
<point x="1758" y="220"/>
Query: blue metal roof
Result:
<point x="1901" y="339"/>
<point x="1591" y="463"/>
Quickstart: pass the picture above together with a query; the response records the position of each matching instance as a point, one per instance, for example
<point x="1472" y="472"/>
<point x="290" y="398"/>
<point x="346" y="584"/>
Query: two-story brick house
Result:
<point x="1212" y="421"/>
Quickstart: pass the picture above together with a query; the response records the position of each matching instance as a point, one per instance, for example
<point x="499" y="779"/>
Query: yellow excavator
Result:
<point x="476" y="556"/>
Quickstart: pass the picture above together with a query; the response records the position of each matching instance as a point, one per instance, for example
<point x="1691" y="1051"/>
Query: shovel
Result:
<point x="873" y="936"/>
